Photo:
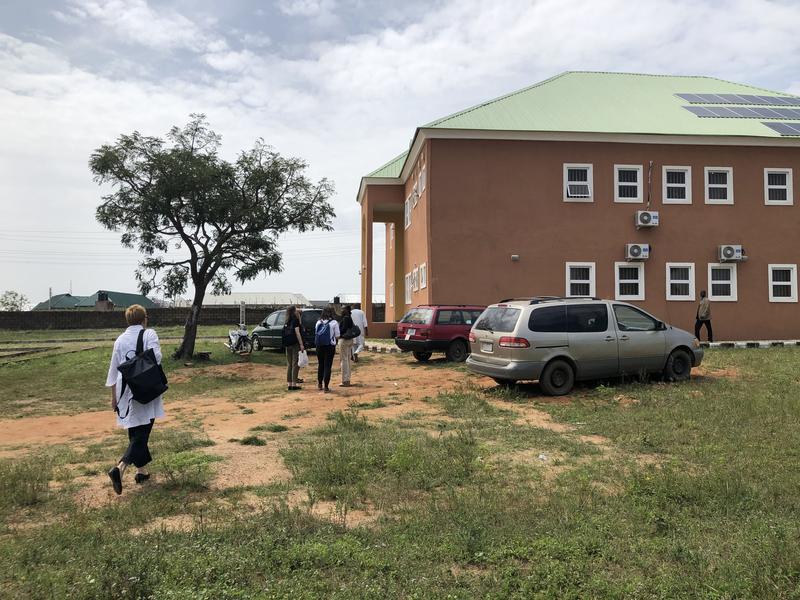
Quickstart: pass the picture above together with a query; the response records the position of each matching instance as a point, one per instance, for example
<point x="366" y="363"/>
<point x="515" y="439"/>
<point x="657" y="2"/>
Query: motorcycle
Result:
<point x="239" y="341"/>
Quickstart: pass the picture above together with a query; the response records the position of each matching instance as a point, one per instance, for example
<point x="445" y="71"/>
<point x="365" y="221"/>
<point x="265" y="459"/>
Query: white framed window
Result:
<point x="680" y="281"/>
<point x="415" y="279"/>
<point x="415" y="195"/>
<point x="580" y="279"/>
<point x="391" y="235"/>
<point x="578" y="183"/>
<point x="421" y="182"/>
<point x="778" y="187"/>
<point x="408" y="288"/>
<point x="629" y="280"/>
<point x="783" y="283"/>
<point x="423" y="276"/>
<point x="722" y="282"/>
<point x="628" y="183"/>
<point x="408" y="212"/>
<point x="719" y="185"/>
<point x="391" y="295"/>
<point x="676" y="187"/>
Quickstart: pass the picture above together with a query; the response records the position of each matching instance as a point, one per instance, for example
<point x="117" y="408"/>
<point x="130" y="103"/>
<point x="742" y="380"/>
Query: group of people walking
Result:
<point x="348" y="333"/>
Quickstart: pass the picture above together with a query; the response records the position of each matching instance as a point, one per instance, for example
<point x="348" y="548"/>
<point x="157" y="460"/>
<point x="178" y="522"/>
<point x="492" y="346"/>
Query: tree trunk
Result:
<point x="186" y="349"/>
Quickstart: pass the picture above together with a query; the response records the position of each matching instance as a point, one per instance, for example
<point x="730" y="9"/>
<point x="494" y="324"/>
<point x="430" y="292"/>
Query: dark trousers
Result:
<point x="698" y="324"/>
<point x="325" y="356"/>
<point x="138" y="454"/>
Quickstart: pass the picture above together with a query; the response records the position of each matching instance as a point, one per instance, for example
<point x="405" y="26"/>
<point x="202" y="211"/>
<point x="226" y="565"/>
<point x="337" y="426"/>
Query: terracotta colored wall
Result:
<point x="491" y="199"/>
<point x="417" y="236"/>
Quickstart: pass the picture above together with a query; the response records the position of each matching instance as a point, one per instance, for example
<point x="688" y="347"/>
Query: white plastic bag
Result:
<point x="302" y="359"/>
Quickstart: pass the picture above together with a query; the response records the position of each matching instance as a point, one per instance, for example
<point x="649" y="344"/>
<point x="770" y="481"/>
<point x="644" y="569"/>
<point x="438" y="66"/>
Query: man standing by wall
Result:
<point x="703" y="317"/>
<point x="360" y="319"/>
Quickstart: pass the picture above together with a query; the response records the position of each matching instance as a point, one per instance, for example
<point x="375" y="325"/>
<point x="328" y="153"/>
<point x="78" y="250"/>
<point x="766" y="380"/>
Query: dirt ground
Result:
<point x="402" y="384"/>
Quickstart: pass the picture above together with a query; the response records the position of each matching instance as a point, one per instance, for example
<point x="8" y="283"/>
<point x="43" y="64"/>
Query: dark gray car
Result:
<point x="560" y="340"/>
<point x="269" y="334"/>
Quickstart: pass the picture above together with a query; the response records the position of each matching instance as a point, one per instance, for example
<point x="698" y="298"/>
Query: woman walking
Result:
<point x="346" y="345"/>
<point x="293" y="342"/>
<point x="137" y="418"/>
<point x="326" y="332"/>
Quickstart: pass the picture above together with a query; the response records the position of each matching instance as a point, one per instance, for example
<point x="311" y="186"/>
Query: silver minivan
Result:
<point x="560" y="340"/>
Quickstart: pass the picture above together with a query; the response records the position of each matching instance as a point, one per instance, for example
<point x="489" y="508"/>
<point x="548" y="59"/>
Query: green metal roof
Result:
<point x="59" y="302"/>
<point x="596" y="102"/>
<point x="392" y="168"/>
<point x="120" y="300"/>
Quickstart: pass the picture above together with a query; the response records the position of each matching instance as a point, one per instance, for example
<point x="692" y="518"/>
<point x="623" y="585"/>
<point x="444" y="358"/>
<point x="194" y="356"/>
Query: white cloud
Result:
<point x="136" y="21"/>
<point x="306" y="8"/>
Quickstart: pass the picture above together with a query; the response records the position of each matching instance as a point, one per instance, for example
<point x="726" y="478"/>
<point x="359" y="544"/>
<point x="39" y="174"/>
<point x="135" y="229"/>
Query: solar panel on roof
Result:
<point x="784" y="128"/>
<point x="740" y="99"/>
<point x="700" y="111"/>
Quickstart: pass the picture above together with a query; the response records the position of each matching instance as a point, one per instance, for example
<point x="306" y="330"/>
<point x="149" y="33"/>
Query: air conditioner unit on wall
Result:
<point x="731" y="253"/>
<point x="646" y="218"/>
<point x="637" y="251"/>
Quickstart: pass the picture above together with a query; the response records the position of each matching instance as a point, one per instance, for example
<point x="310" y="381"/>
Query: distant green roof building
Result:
<point x="120" y="300"/>
<point x="611" y="103"/>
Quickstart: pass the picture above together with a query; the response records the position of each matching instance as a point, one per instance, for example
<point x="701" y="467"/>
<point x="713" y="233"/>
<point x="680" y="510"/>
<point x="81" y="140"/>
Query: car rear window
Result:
<point x="548" y="319"/>
<point x="471" y="316"/>
<point x="498" y="318"/>
<point x="587" y="318"/>
<point x="449" y="317"/>
<point x="418" y="316"/>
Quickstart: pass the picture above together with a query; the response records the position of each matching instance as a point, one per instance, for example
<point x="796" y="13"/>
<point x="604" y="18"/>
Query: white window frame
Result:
<point x="423" y="276"/>
<point x="408" y="288"/>
<point x="592" y="279"/>
<point x="681" y="265"/>
<point x="415" y="279"/>
<point x="391" y="235"/>
<point x="408" y="213"/>
<point x="421" y="181"/>
<point x="792" y="283"/>
<point x="639" y="174"/>
<point x="729" y="186"/>
<point x="788" y="187"/>
<point x="391" y="295"/>
<point x="734" y="296"/>
<point x="688" y="185"/>
<point x="640" y="280"/>
<point x="589" y="180"/>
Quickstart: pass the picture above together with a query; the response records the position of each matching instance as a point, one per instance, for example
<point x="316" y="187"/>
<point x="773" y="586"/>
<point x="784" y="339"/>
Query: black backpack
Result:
<point x="143" y="375"/>
<point x="288" y="335"/>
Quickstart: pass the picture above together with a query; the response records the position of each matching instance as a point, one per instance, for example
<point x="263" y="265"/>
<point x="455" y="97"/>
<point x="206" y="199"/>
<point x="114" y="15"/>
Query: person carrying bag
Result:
<point x="293" y="343"/>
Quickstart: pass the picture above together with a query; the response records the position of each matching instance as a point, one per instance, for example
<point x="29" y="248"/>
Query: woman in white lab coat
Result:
<point x="137" y="418"/>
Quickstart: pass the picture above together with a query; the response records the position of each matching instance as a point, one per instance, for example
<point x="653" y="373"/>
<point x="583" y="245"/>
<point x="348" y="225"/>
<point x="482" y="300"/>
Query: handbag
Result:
<point x="302" y="359"/>
<point x="352" y="333"/>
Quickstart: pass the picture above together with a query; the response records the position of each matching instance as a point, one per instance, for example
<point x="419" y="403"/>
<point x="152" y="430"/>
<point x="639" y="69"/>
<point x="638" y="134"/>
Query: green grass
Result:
<point x="270" y="427"/>
<point x="697" y="499"/>
<point x="105" y="334"/>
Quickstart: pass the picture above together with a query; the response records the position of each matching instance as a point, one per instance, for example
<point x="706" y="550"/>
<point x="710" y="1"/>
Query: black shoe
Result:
<point x="141" y="477"/>
<point x="300" y="381"/>
<point x="116" y="479"/>
<point x="355" y="357"/>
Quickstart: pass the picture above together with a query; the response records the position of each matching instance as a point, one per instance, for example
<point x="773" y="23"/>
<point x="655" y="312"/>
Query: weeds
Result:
<point x="187" y="470"/>
<point x="252" y="440"/>
<point x="25" y="481"/>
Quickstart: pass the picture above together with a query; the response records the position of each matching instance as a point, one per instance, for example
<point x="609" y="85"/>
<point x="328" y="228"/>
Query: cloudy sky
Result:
<point x="341" y="83"/>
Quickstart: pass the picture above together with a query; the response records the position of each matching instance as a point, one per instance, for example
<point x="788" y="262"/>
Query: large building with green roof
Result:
<point x="643" y="188"/>
<point x="118" y="300"/>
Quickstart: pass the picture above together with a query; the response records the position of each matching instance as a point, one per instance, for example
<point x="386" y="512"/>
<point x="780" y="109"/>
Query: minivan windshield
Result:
<point x="498" y="318"/>
<point x="418" y="316"/>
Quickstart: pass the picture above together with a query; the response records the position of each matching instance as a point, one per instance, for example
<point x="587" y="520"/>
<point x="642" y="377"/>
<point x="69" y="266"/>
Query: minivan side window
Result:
<point x="281" y="318"/>
<point x="631" y="319"/>
<point x="587" y="318"/>
<point x="449" y="317"/>
<point x="548" y="319"/>
<point x="272" y="318"/>
<point x="471" y="316"/>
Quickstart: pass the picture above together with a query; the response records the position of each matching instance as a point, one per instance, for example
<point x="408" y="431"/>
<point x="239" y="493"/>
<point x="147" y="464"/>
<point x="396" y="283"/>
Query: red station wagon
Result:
<point x="441" y="328"/>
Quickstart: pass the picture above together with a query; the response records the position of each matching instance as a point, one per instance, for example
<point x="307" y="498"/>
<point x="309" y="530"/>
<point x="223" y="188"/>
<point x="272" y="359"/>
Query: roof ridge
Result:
<point x="493" y="100"/>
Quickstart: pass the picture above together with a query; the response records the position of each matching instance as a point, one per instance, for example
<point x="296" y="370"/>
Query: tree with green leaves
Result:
<point x="197" y="218"/>
<point x="11" y="300"/>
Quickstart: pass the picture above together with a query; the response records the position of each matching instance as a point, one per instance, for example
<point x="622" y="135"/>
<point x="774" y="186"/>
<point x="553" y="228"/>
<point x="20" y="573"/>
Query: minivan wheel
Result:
<point x="679" y="366"/>
<point x="422" y="356"/>
<point x="558" y="378"/>
<point x="457" y="351"/>
<point x="257" y="343"/>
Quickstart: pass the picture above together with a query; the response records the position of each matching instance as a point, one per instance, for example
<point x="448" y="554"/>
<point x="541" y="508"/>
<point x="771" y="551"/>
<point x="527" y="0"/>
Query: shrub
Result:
<point x="188" y="469"/>
<point x="252" y="440"/>
<point x="25" y="481"/>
